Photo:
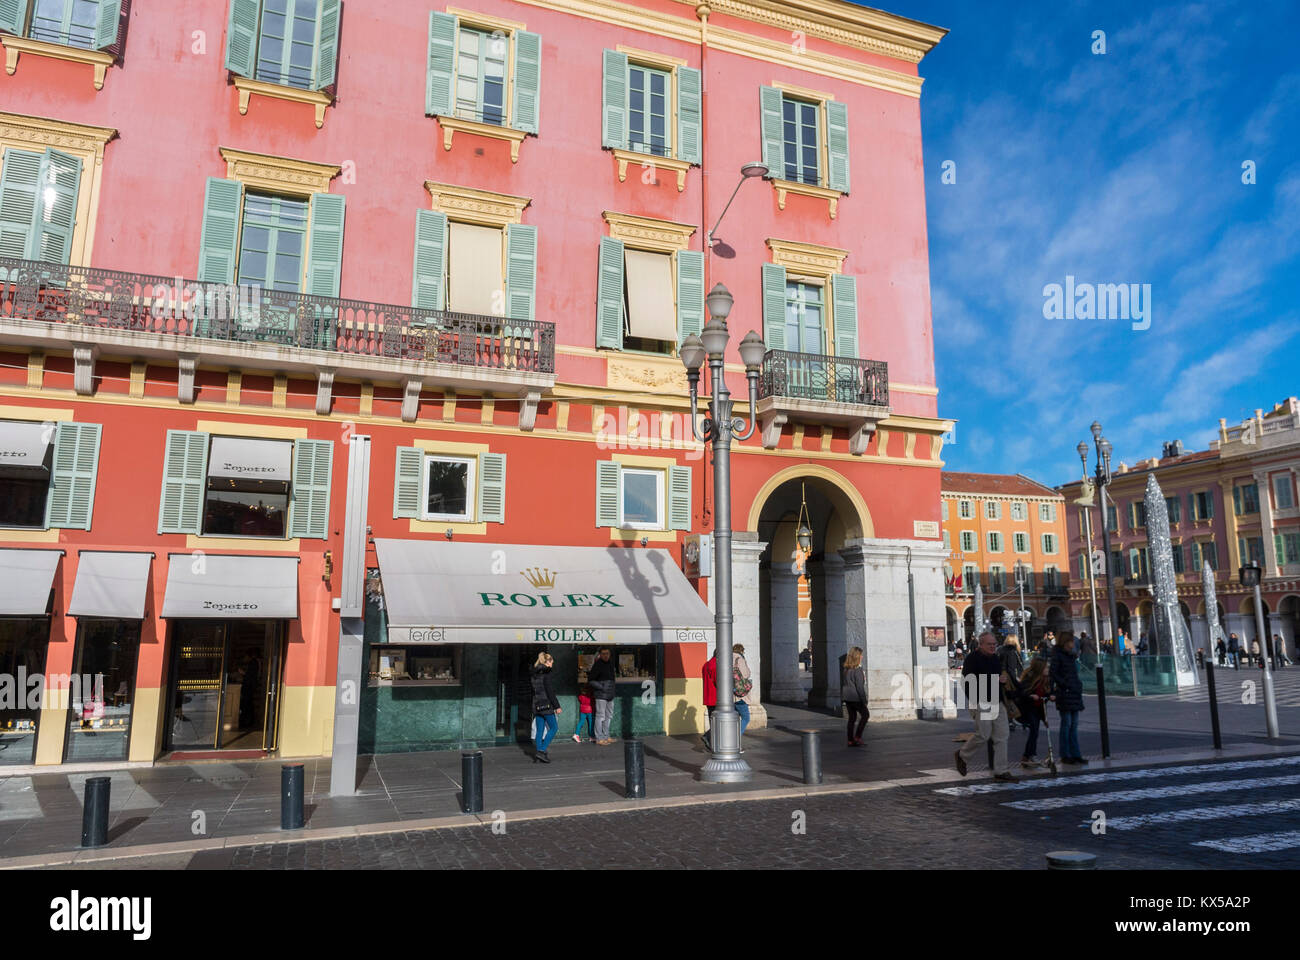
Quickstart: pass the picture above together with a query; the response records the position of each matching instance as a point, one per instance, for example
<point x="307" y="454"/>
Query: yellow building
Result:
<point x="993" y="524"/>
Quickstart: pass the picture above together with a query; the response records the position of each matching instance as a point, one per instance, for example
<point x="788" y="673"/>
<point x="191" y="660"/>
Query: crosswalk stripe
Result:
<point x="1196" y="813"/>
<point x="1259" y="843"/>
<point x="1039" y="783"/>
<point x="1150" y="793"/>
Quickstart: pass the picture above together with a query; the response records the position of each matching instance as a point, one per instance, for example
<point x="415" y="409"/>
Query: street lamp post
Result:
<point x="1250" y="576"/>
<point x="1102" y="480"/>
<point x="1020" y="614"/>
<point x="720" y="428"/>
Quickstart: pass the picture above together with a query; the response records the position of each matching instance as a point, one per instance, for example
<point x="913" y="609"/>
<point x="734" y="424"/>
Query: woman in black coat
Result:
<point x="545" y="707"/>
<point x="1067" y="691"/>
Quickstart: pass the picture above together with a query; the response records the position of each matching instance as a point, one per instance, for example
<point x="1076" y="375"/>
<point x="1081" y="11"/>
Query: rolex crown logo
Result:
<point x="542" y="578"/>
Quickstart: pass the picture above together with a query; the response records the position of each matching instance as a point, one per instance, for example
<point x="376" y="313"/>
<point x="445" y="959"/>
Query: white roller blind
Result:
<point x="651" y="313"/>
<point x="476" y="273"/>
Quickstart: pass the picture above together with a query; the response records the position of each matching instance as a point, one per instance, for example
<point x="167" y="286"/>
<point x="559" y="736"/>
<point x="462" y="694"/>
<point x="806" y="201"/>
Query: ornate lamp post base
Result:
<point x="726" y="765"/>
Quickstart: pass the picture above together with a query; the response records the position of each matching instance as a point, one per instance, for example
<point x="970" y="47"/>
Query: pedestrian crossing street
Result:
<point x="1241" y="807"/>
<point x="1229" y="687"/>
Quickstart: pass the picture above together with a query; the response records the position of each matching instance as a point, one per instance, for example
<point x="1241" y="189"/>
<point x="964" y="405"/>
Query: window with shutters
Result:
<point x="650" y="287"/>
<point x="81" y="31"/>
<point x="992" y="510"/>
<point x="1047" y="512"/>
<point x="805" y="137"/>
<point x="650" y="495"/>
<point x="997" y="578"/>
<point x="47" y="474"/>
<point x="944" y="508"/>
<point x="1203" y="504"/>
<point x="1021" y="542"/>
<point x="1018" y="511"/>
<point x="1051" y="578"/>
<point x="1283" y="491"/>
<point x="1173" y="506"/>
<point x="1179" y="565"/>
<point x="1245" y="498"/>
<point x="995" y="542"/>
<point x="449" y="489"/>
<point x="805" y="317"/>
<point x="1049" y="543"/>
<point x="288" y="43"/>
<point x="273" y="242"/>
<point x="965" y="510"/>
<point x="810" y="307"/>
<point x="650" y="107"/>
<point x="969" y="544"/>
<point x="483" y="76"/>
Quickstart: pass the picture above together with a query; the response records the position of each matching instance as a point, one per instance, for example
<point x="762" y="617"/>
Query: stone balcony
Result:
<point x="821" y="389"/>
<point x="90" y="311"/>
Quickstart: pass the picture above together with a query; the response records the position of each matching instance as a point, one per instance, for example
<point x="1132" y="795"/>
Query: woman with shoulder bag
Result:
<point x="853" y="691"/>
<point x="742" y="684"/>
<point x="545" y="706"/>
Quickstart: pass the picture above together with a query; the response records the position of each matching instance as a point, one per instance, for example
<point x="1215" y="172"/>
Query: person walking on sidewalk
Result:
<point x="585" y="716"/>
<point x="742" y="684"/>
<point x="853" y="691"/>
<point x="601" y="677"/>
<point x="1280" y="646"/>
<point x="1035" y="686"/>
<point x="710" y="675"/>
<point x="545" y="706"/>
<point x="1067" y="691"/>
<point x="981" y="675"/>
<point x="1222" y="651"/>
<point x="1234" y="648"/>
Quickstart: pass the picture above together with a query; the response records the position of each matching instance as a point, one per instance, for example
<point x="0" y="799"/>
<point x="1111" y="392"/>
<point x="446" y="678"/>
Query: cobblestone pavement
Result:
<point x="1237" y="814"/>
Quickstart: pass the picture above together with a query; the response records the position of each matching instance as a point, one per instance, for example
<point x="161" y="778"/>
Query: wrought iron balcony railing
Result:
<point x="814" y="376"/>
<point x="114" y="300"/>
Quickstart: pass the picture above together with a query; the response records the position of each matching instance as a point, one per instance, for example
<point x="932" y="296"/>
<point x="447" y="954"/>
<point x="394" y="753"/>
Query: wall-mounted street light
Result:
<point x="719" y="428"/>
<point x="749" y="171"/>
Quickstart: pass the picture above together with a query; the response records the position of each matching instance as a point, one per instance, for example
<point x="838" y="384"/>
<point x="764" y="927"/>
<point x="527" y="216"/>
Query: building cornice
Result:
<point x="265" y="172"/>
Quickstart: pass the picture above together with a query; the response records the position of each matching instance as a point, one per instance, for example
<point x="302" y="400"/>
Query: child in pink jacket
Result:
<point x="585" y="715"/>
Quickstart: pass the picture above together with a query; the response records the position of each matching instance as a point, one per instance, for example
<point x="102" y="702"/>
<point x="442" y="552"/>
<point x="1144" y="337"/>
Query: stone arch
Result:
<point x="1247" y="606"/>
<point x="843" y="495"/>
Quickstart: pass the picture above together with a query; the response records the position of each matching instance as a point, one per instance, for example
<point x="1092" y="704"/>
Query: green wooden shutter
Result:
<point x="844" y="297"/>
<point x="309" y="508"/>
<point x="72" y="481"/>
<point x="679" y="498"/>
<point x="441" y="64"/>
<point x="18" y="183"/>
<point x="1278" y="550"/>
<point x="241" y="36"/>
<point x="774" y="306"/>
<point x="690" y="293"/>
<point x="613" y="100"/>
<point x="13" y="16"/>
<point x="110" y="11"/>
<point x="53" y="221"/>
<point x="428" y="288"/>
<point x="609" y="495"/>
<point x="1134" y="562"/>
<point x="406" y="482"/>
<point x="528" y="81"/>
<point x="327" y="44"/>
<point x="688" y="114"/>
<point x="185" y="472"/>
<point x="837" y="145"/>
<point x="219" y="244"/>
<point x="609" y="295"/>
<point x="769" y="99"/>
<point x="325" y="245"/>
<point x="492" y="487"/>
<point x="1236" y="500"/>
<point x="521" y="271"/>
<point x="1209" y="504"/>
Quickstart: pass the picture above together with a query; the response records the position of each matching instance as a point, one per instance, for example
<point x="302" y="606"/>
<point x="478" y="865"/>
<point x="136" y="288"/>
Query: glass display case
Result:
<point x="631" y="664"/>
<point x="414" y="665"/>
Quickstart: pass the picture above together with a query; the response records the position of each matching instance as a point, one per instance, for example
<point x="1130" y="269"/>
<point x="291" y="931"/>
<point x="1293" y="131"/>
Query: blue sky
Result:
<point x="1122" y="167"/>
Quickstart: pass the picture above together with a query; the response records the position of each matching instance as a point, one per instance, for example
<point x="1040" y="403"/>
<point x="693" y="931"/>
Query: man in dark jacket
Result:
<point x="601" y="676"/>
<point x="980" y="676"/>
<point x="1067" y="691"/>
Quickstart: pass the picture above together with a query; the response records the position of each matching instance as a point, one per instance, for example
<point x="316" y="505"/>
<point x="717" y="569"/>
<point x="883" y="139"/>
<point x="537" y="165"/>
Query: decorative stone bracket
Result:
<point x="83" y="376"/>
<point x="411" y="399"/>
<point x="528" y="409"/>
<point x="860" y="436"/>
<point x="247" y="87"/>
<point x="324" y="391"/>
<point x="785" y="187"/>
<point x="625" y="157"/>
<point x="186" y="365"/>
<point x="771" y="424"/>
<point x="453" y="125"/>
<point x="14" y="46"/>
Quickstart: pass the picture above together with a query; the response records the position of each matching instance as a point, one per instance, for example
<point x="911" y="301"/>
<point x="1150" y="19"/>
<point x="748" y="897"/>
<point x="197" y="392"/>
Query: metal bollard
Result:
<point x="1101" y="712"/>
<point x="812" y="757"/>
<point x="94" y="812"/>
<point x="291" y="796"/>
<point x="1214" y="705"/>
<point x="471" y="782"/>
<point x="634" y="769"/>
<point x="1071" y="860"/>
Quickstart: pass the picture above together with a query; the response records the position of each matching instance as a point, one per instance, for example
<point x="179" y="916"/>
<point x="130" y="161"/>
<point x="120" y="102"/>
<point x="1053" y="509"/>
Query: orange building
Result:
<point x="992" y="523"/>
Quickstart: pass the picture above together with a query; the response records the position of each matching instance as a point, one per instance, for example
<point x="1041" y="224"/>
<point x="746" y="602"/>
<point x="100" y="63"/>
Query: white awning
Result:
<point x="26" y="577"/>
<point x="24" y="446"/>
<point x="250" y="459"/>
<point x="650" y="296"/>
<point x="207" y="587"/>
<point x="111" y="585"/>
<point x="438" y="592"/>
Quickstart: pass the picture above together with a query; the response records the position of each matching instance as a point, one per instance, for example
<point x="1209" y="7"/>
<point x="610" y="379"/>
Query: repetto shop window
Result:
<point x="220" y="486"/>
<point x="48" y="474"/>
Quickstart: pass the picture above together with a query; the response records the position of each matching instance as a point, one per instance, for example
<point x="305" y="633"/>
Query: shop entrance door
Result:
<point x="515" y="694"/>
<point x="225" y="690"/>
